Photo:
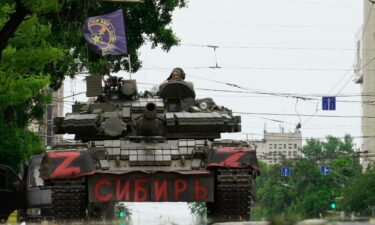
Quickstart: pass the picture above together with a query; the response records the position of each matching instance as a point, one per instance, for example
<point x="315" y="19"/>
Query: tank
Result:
<point x="154" y="147"/>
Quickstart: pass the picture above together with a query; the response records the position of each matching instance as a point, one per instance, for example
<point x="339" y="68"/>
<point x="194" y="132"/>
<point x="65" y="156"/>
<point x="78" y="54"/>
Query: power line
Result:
<point x="268" y="68"/>
<point x="274" y="47"/>
<point x="303" y="96"/>
<point x="364" y="30"/>
<point x="322" y="4"/>
<point x="305" y="115"/>
<point x="292" y="26"/>
<point x="293" y="137"/>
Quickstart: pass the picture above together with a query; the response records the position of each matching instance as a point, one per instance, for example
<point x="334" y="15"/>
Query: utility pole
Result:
<point x="216" y="64"/>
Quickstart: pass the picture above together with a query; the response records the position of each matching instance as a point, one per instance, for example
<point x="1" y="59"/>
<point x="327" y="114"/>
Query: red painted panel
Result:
<point x="154" y="187"/>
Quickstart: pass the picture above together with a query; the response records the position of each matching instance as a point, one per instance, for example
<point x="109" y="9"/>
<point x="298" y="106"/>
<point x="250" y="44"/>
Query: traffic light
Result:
<point x="333" y="202"/>
<point x="121" y="212"/>
<point x="333" y="205"/>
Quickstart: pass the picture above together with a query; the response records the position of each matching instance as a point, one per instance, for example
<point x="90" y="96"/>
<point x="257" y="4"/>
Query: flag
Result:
<point x="105" y="34"/>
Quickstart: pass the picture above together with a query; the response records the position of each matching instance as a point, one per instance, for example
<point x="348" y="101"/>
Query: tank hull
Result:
<point x="148" y="148"/>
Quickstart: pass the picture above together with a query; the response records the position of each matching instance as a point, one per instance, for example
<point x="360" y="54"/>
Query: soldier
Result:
<point x="177" y="74"/>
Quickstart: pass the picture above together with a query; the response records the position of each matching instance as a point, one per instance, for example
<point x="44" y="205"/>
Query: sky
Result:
<point x="278" y="57"/>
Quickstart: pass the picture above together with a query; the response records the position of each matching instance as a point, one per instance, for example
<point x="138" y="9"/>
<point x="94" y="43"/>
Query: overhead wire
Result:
<point x="304" y="96"/>
<point x="322" y="4"/>
<point x="363" y="33"/>
<point x="304" y="115"/>
<point x="272" y="47"/>
<point x="238" y="23"/>
<point x="291" y="137"/>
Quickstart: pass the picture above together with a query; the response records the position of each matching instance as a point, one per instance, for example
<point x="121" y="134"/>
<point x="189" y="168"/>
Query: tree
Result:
<point x="332" y="148"/>
<point x="307" y="193"/>
<point x="145" y="21"/>
<point x="41" y="42"/>
<point x="359" y="194"/>
<point x="199" y="210"/>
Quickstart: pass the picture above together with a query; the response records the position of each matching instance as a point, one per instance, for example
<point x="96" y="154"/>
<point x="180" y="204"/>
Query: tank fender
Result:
<point x="233" y="157"/>
<point x="66" y="164"/>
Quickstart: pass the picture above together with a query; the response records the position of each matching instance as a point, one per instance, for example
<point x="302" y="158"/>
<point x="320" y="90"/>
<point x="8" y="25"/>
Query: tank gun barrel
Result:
<point x="150" y="112"/>
<point x="149" y="125"/>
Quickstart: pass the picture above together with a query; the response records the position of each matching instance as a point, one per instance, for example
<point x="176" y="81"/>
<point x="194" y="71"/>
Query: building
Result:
<point x="278" y="146"/>
<point x="45" y="127"/>
<point x="365" y="76"/>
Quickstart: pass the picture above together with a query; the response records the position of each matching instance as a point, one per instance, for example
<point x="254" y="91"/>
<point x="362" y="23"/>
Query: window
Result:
<point x="12" y="180"/>
<point x="49" y="134"/>
<point x="280" y="146"/>
<point x="289" y="153"/>
<point x="270" y="146"/>
<point x="49" y="112"/>
<point x="295" y="146"/>
<point x="3" y="179"/>
<point x="284" y="146"/>
<point x="34" y="178"/>
<point x="275" y="145"/>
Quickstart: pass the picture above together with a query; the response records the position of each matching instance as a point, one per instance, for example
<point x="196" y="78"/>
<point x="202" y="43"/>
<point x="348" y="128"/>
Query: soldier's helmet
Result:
<point x="179" y="71"/>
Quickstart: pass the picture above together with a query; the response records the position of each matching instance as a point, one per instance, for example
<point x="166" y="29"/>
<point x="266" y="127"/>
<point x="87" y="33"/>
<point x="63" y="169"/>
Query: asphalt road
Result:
<point x="165" y="221"/>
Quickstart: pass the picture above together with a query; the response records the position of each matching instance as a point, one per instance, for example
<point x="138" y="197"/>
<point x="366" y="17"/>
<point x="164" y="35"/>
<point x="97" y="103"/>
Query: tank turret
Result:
<point x="119" y="112"/>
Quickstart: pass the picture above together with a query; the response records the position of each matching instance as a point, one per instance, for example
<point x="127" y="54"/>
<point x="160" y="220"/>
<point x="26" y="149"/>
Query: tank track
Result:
<point x="69" y="199"/>
<point x="233" y="194"/>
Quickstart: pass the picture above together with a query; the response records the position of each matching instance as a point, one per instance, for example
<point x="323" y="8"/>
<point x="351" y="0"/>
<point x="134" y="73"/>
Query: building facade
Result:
<point x="365" y="76"/>
<point x="45" y="127"/>
<point x="277" y="146"/>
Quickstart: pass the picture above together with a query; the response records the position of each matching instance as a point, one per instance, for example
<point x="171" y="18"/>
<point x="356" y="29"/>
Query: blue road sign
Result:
<point x="324" y="169"/>
<point x="329" y="103"/>
<point x="285" y="171"/>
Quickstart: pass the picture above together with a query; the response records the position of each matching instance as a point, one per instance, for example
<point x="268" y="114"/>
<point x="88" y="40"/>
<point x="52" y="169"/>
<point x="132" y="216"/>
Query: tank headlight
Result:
<point x="33" y="211"/>
<point x="203" y="105"/>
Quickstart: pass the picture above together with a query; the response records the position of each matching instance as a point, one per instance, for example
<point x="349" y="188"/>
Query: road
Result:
<point x="162" y="220"/>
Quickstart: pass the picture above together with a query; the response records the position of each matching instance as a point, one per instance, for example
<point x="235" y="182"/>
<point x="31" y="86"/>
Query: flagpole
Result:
<point x="130" y="67"/>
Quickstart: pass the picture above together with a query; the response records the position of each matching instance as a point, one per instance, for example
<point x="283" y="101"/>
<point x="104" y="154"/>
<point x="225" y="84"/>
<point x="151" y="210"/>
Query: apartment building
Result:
<point x="277" y="146"/>
<point x="45" y="127"/>
<point x="365" y="76"/>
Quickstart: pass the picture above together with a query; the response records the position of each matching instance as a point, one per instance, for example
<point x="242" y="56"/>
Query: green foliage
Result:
<point x="198" y="208"/>
<point x="144" y="21"/>
<point x="49" y="44"/>
<point x="307" y="193"/>
<point x="42" y="6"/>
<point x="23" y="75"/>
<point x="17" y="145"/>
<point x="21" y="102"/>
<point x="359" y="194"/>
<point x="333" y="147"/>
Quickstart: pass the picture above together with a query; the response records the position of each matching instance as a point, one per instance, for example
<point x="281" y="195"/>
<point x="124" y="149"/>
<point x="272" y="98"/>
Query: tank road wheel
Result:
<point x="69" y="199"/>
<point x="233" y="195"/>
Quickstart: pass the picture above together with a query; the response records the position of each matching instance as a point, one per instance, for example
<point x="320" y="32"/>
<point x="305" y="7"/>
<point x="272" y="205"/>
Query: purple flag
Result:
<point x="106" y="33"/>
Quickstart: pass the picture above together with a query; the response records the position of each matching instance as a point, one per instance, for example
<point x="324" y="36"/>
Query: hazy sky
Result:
<point x="302" y="47"/>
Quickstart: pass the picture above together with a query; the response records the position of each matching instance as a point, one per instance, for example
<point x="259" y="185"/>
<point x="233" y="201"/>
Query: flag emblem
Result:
<point x="106" y="33"/>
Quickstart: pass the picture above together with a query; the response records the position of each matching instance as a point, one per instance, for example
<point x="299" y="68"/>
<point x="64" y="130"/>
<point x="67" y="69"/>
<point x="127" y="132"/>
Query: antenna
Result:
<point x="130" y="67"/>
<point x="216" y="64"/>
